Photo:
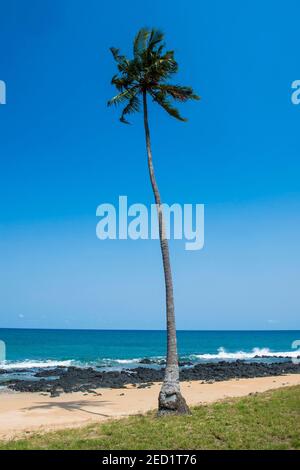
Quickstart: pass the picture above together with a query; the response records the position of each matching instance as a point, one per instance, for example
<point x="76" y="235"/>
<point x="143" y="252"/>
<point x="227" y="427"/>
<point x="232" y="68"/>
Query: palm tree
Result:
<point x="147" y="74"/>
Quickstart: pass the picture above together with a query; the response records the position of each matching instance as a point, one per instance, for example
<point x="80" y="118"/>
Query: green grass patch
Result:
<point x="269" y="420"/>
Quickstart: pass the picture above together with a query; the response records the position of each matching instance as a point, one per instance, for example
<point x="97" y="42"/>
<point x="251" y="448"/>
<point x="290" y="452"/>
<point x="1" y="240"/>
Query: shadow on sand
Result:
<point x="70" y="406"/>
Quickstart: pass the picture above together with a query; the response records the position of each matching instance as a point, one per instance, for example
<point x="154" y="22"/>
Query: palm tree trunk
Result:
<point x="170" y="399"/>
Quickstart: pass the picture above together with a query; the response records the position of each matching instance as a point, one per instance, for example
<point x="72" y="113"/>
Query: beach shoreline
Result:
<point x="55" y="381"/>
<point x="23" y="413"/>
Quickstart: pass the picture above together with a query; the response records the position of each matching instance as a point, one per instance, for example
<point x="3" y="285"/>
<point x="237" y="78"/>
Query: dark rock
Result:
<point x="146" y="361"/>
<point x="161" y="362"/>
<point x="72" y="379"/>
<point x="13" y="371"/>
<point x="185" y="363"/>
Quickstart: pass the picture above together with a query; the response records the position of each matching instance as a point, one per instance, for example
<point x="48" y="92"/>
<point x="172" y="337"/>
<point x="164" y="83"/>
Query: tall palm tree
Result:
<point x="147" y="74"/>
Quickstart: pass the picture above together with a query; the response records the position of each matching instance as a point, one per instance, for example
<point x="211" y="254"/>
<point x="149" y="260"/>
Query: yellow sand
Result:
<point x="22" y="413"/>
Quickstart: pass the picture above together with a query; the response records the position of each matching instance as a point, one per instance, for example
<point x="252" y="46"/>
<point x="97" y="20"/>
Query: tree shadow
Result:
<point x="70" y="406"/>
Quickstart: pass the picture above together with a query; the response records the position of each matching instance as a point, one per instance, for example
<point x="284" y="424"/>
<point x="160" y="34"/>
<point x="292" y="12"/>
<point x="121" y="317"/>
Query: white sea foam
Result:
<point x="34" y="364"/>
<point x="125" y="361"/>
<point x="256" y="352"/>
<point x="221" y="355"/>
<point x="138" y="360"/>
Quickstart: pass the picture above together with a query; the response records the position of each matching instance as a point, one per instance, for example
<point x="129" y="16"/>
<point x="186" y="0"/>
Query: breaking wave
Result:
<point x="220" y="355"/>
<point x="255" y="353"/>
<point x="29" y="364"/>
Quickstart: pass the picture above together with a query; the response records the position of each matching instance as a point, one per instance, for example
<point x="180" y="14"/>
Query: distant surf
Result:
<point x="28" y="364"/>
<point x="221" y="355"/>
<point x="256" y="353"/>
<point x="39" y="349"/>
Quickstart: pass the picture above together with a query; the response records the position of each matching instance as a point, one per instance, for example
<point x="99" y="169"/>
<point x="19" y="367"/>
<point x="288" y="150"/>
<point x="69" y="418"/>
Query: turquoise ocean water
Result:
<point x="105" y="348"/>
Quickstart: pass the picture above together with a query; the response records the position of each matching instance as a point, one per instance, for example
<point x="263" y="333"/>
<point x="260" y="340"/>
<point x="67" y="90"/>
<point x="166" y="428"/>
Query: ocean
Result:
<point x="33" y="348"/>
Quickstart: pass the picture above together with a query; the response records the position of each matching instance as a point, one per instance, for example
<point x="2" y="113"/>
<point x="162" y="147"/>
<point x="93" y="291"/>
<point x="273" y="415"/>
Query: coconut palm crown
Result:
<point x="149" y="70"/>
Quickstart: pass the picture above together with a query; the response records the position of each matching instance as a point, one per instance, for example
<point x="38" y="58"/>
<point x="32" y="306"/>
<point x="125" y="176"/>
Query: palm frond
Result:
<point x="162" y="100"/>
<point x="120" y="82"/>
<point x="179" y="93"/>
<point x="132" y="107"/>
<point x="115" y="52"/>
<point x="122" y="62"/>
<point x="121" y="97"/>
<point x="149" y="70"/>
<point x="156" y="36"/>
<point x="168" y="64"/>
<point x="140" y="42"/>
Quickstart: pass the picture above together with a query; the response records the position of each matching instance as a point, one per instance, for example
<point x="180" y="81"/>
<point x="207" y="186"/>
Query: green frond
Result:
<point x="121" y="97"/>
<point x="149" y="70"/>
<point x="168" y="64"/>
<point x="156" y="36"/>
<point x="115" y="53"/>
<point x="121" y="60"/>
<point x="140" y="42"/>
<point x="119" y="82"/>
<point x="161" y="99"/>
<point x="132" y="107"/>
<point x="179" y="93"/>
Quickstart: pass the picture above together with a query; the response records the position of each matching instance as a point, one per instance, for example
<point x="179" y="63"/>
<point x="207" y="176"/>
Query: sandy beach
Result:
<point x="23" y="413"/>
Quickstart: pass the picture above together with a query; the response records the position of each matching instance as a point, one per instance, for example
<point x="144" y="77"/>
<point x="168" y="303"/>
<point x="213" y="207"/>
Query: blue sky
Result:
<point x="63" y="152"/>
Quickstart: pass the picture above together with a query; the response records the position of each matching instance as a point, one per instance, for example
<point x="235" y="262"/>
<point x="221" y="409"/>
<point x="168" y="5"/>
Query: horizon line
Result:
<point x="141" y="329"/>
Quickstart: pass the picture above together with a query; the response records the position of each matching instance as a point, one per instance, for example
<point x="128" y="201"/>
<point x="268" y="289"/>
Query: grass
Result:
<point x="269" y="420"/>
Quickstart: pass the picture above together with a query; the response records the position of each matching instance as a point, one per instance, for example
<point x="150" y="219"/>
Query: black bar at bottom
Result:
<point x="134" y="459"/>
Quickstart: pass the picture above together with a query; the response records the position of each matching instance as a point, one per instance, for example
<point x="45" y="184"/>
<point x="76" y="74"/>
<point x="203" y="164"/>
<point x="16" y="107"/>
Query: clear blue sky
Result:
<point x="63" y="152"/>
